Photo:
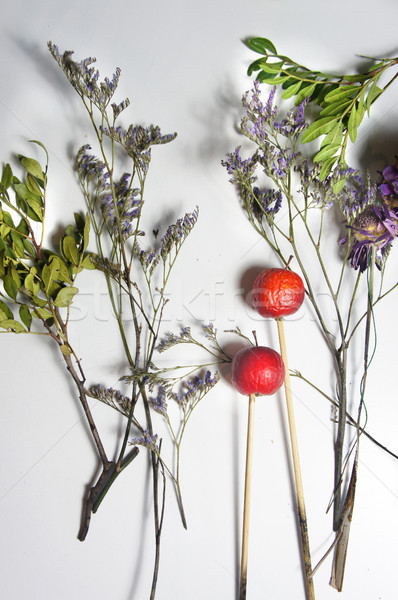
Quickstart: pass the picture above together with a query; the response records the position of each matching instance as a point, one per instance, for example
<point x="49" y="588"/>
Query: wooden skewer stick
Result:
<point x="297" y="469"/>
<point x="246" y="510"/>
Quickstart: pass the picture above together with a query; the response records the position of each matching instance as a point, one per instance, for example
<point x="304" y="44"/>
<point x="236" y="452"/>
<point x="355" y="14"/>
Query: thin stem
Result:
<point x="341" y="358"/>
<point x="246" y="511"/>
<point x="297" y="469"/>
<point x="340" y="552"/>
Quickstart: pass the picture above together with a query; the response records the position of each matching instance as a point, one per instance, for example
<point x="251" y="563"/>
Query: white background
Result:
<point x="184" y="68"/>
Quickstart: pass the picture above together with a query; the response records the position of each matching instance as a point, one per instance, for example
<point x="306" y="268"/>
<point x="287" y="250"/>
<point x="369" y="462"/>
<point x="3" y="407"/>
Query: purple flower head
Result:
<point x="84" y="77"/>
<point x="90" y="168"/>
<point x="195" y="389"/>
<point x="122" y="207"/>
<point x="147" y="440"/>
<point x="176" y="234"/>
<point x="159" y="403"/>
<point x="240" y="170"/>
<point x="294" y="122"/>
<point x="137" y="141"/>
<point x="375" y="227"/>
<point x="389" y="186"/>
<point x="266" y="202"/>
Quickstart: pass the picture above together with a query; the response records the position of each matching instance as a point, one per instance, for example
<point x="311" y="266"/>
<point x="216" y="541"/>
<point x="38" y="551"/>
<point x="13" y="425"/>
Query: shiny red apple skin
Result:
<point x="257" y="370"/>
<point x="277" y="293"/>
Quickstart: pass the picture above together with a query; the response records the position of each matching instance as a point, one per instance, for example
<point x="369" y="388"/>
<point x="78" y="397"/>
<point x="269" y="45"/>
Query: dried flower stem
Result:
<point x="340" y="552"/>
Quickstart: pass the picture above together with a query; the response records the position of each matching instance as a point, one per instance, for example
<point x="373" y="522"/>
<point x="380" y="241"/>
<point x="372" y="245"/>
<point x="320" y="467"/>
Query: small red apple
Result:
<point x="277" y="293"/>
<point x="257" y="370"/>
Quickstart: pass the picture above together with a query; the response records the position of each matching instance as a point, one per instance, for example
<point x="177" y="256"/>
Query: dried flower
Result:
<point x="376" y="226"/>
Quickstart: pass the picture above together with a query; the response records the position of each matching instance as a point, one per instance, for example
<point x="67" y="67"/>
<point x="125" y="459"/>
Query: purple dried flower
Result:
<point x="84" y="77"/>
<point x="159" y="403"/>
<point x="147" y="440"/>
<point x="389" y="186"/>
<point x="122" y="207"/>
<point x="375" y="227"/>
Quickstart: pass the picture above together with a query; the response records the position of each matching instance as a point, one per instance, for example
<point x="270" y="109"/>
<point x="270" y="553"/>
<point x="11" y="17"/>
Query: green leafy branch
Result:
<point x="36" y="281"/>
<point x="343" y="99"/>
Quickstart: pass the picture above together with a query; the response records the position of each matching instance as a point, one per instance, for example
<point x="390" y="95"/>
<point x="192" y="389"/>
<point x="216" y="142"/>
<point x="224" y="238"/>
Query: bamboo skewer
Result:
<point x="297" y="469"/>
<point x="246" y="510"/>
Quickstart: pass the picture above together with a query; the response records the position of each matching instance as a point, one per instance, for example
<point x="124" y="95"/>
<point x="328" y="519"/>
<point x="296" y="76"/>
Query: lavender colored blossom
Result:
<point x="171" y="339"/>
<point x="277" y="162"/>
<point x="121" y="207"/>
<point x="177" y="233"/>
<point x="90" y="168"/>
<point x="240" y="170"/>
<point x="389" y="185"/>
<point x="137" y="141"/>
<point x="148" y="258"/>
<point x="260" y="118"/>
<point x="147" y="440"/>
<point x="375" y="227"/>
<point x="159" y="403"/>
<point x="111" y="397"/>
<point x="85" y="78"/>
<point x="195" y="389"/>
<point x="267" y="202"/>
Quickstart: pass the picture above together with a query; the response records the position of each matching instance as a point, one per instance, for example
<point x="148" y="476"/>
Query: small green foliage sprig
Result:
<point x="343" y="100"/>
<point x="37" y="281"/>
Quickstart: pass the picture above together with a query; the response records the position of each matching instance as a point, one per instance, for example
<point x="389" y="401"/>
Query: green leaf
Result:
<point x="65" y="296"/>
<point x="305" y="92"/>
<point x="291" y="90"/>
<point x="317" y="128"/>
<point x="33" y="201"/>
<point x="23" y="227"/>
<point x="39" y="301"/>
<point x="335" y="109"/>
<point x="334" y="137"/>
<point x="352" y="127"/>
<point x="327" y="167"/>
<point x="340" y="94"/>
<point x="29" y="247"/>
<point x="6" y="310"/>
<point x="36" y="206"/>
<point x="25" y="316"/>
<point x="326" y="152"/>
<point x="272" y="68"/>
<point x="267" y="78"/>
<point x="32" y="166"/>
<point x="70" y="250"/>
<point x="255" y="66"/>
<point x="87" y="263"/>
<point x="7" y="219"/>
<point x="338" y="186"/>
<point x="17" y="244"/>
<point x="49" y="275"/>
<point x="4" y="230"/>
<point x="10" y="286"/>
<point x="31" y="283"/>
<point x="23" y="191"/>
<point x="12" y="325"/>
<point x="86" y="232"/>
<point x="32" y="184"/>
<point x="6" y="178"/>
<point x="260" y="45"/>
<point x="374" y="92"/>
<point x="44" y="313"/>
